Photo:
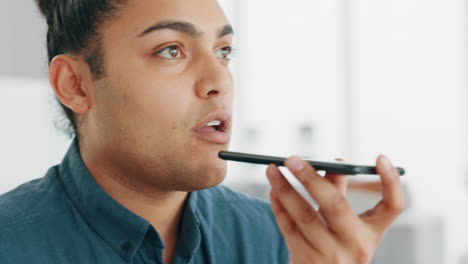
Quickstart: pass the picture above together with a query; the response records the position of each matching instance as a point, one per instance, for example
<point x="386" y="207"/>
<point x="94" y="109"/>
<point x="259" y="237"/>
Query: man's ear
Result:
<point x="66" y="80"/>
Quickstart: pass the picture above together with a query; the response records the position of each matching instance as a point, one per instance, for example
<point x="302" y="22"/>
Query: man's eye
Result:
<point x="172" y="52"/>
<point x="224" y="53"/>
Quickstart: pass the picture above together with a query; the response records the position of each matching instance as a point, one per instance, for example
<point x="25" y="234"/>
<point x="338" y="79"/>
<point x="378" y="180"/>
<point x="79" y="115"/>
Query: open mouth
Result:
<point x="216" y="128"/>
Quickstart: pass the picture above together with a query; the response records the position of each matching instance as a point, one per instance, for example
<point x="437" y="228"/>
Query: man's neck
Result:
<point x="163" y="209"/>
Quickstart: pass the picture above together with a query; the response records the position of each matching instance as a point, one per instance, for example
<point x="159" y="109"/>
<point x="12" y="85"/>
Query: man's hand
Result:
<point x="334" y="234"/>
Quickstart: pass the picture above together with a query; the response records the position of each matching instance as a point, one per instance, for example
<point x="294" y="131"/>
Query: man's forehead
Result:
<point x="203" y="15"/>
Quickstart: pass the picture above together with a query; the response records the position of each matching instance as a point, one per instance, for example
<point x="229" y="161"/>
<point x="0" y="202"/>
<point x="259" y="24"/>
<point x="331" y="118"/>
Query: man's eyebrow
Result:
<point x="181" y="26"/>
<point x="184" y="27"/>
<point x="227" y="30"/>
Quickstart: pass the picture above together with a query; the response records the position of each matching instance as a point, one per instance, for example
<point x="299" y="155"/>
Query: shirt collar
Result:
<point x="189" y="239"/>
<point x="122" y="229"/>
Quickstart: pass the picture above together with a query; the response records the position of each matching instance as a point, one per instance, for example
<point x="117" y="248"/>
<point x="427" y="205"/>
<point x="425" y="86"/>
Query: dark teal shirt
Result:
<point x="65" y="217"/>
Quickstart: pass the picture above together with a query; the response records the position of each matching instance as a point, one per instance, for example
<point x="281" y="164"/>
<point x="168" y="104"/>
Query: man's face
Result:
<point x="167" y="72"/>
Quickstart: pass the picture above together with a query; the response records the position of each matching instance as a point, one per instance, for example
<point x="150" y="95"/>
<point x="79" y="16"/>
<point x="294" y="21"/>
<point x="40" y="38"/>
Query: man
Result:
<point x="148" y="92"/>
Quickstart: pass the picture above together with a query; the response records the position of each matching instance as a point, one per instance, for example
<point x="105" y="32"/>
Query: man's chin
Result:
<point x="214" y="182"/>
<point x="205" y="182"/>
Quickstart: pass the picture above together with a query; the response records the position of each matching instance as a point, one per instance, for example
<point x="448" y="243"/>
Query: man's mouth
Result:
<point x="215" y="128"/>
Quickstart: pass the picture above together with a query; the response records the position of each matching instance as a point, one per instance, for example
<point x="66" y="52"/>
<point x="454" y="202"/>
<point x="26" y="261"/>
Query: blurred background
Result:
<point x="322" y="79"/>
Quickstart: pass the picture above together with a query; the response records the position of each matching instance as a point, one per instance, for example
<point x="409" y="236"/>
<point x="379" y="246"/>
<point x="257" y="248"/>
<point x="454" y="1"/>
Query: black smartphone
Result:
<point x="329" y="167"/>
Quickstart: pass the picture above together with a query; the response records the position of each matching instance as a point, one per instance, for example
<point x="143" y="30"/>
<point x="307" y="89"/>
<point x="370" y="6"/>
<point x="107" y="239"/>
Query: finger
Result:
<point x="290" y="231"/>
<point x="393" y="202"/>
<point x="299" y="210"/>
<point x="368" y="186"/>
<point x="333" y="205"/>
<point x="339" y="180"/>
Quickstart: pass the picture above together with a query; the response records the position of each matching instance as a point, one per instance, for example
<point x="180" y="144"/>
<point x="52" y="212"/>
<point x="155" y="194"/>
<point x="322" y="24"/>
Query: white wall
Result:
<point x="29" y="142"/>
<point x="23" y="39"/>
<point x="410" y="80"/>
<point x="405" y="65"/>
<point x="290" y="76"/>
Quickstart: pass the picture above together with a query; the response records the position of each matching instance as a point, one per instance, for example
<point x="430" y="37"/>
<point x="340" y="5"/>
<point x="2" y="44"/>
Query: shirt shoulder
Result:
<point x="32" y="201"/>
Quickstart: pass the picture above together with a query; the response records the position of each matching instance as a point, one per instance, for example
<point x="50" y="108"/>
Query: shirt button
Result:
<point x="127" y="246"/>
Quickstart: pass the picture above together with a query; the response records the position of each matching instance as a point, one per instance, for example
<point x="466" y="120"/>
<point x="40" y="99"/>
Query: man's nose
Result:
<point x="215" y="79"/>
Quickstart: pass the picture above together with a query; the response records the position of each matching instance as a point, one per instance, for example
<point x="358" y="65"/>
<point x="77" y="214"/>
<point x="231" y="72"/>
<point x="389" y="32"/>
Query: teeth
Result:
<point x="214" y="123"/>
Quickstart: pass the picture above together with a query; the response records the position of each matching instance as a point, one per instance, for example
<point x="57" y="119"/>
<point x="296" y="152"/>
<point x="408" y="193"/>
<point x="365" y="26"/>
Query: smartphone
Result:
<point x="328" y="167"/>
